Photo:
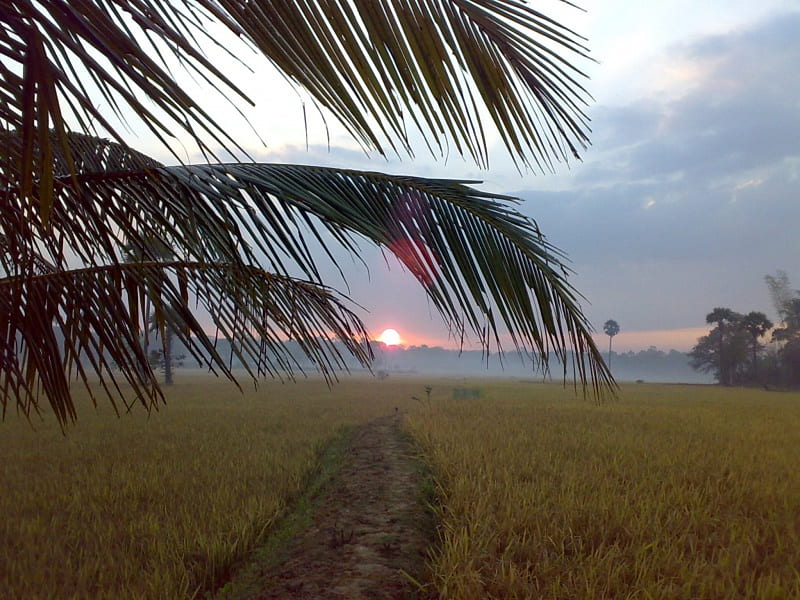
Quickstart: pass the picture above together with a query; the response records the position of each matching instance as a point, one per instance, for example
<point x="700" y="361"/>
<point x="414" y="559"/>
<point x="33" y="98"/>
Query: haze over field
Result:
<point x="687" y="197"/>
<point x="401" y="362"/>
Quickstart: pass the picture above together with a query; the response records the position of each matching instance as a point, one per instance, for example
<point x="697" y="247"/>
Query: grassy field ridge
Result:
<point x="669" y="492"/>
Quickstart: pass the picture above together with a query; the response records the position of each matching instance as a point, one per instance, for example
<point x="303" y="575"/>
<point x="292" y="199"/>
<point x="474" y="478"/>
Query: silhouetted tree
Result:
<point x="790" y="324"/>
<point x="141" y="250"/>
<point x="719" y="350"/>
<point x="780" y="290"/>
<point x="756" y="324"/>
<point x="788" y="336"/>
<point x="723" y="353"/>
<point x="165" y="359"/>
<point x="611" y="327"/>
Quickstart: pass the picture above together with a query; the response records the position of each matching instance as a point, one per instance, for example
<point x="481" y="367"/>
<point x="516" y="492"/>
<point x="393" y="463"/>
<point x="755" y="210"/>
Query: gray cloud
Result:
<point x="743" y="114"/>
<point x="687" y="201"/>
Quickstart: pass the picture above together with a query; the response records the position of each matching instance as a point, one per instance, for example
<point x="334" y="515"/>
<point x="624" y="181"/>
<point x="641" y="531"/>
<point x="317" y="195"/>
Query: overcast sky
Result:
<point x="687" y="197"/>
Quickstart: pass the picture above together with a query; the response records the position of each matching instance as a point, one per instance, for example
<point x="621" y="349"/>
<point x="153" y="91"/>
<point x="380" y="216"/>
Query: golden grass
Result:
<point x="161" y="507"/>
<point x="670" y="492"/>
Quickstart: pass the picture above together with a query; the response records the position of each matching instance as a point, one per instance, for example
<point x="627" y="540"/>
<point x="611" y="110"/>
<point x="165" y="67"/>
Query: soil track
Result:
<point x="369" y="530"/>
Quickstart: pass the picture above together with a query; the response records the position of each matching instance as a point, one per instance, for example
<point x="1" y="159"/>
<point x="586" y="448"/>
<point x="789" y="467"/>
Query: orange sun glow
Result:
<point x="390" y="337"/>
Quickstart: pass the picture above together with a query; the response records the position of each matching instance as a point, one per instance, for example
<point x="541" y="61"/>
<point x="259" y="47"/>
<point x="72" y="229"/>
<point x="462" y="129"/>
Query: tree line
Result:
<point x="750" y="349"/>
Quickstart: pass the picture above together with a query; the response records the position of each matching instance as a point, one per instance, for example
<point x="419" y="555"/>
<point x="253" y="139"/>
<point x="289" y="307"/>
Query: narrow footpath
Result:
<point x="370" y="529"/>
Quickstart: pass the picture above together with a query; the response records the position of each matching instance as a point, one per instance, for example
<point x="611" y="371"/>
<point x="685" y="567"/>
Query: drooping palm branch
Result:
<point x="381" y="67"/>
<point x="58" y="327"/>
<point x="237" y="231"/>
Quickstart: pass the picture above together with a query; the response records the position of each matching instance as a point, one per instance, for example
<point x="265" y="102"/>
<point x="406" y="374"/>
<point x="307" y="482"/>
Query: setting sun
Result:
<point x="390" y="337"/>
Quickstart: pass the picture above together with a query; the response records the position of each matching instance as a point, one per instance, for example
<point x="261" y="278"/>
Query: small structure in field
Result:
<point x="462" y="393"/>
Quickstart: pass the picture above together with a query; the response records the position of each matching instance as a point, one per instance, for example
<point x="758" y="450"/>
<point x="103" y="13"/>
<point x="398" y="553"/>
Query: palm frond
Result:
<point x="379" y="67"/>
<point x="88" y="324"/>
<point x="486" y="267"/>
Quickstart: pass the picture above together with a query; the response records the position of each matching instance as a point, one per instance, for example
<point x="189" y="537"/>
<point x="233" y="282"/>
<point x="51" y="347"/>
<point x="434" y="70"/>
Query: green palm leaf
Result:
<point x="378" y="67"/>
<point x="486" y="268"/>
<point x="238" y="235"/>
<point x="88" y="324"/>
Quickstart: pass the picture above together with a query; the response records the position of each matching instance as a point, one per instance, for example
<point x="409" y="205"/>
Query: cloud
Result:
<point x="737" y="111"/>
<point x="689" y="195"/>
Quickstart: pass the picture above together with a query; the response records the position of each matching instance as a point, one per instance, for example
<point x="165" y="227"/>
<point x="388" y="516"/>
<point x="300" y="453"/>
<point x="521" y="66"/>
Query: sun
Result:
<point x="390" y="337"/>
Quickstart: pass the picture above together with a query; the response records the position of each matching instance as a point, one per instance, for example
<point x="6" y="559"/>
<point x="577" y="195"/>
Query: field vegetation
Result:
<point x="669" y="492"/>
<point x="161" y="507"/>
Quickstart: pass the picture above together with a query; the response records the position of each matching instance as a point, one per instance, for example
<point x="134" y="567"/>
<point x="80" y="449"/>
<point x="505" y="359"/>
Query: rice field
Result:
<point x="669" y="492"/>
<point x="162" y="506"/>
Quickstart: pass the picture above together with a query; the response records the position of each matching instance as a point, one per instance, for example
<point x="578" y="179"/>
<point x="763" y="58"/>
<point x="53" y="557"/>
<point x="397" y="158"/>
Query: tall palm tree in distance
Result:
<point x="130" y="253"/>
<point x="611" y="328"/>
<point x="70" y="306"/>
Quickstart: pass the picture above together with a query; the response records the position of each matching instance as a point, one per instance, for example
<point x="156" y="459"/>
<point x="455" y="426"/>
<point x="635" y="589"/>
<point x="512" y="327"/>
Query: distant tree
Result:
<point x="704" y="356"/>
<point x="780" y="290"/>
<point x="756" y="324"/>
<point x="723" y="317"/>
<point x="139" y="251"/>
<point x="723" y="353"/>
<point x="719" y="351"/>
<point x="611" y="327"/>
<point x="787" y="334"/>
<point x="790" y="325"/>
<point x="165" y="359"/>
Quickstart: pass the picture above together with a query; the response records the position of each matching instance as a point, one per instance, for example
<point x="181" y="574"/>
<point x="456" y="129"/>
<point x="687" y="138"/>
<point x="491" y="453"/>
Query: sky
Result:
<point x="686" y="199"/>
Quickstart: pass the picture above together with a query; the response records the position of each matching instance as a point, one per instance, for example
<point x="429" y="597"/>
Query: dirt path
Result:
<point x="369" y="526"/>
